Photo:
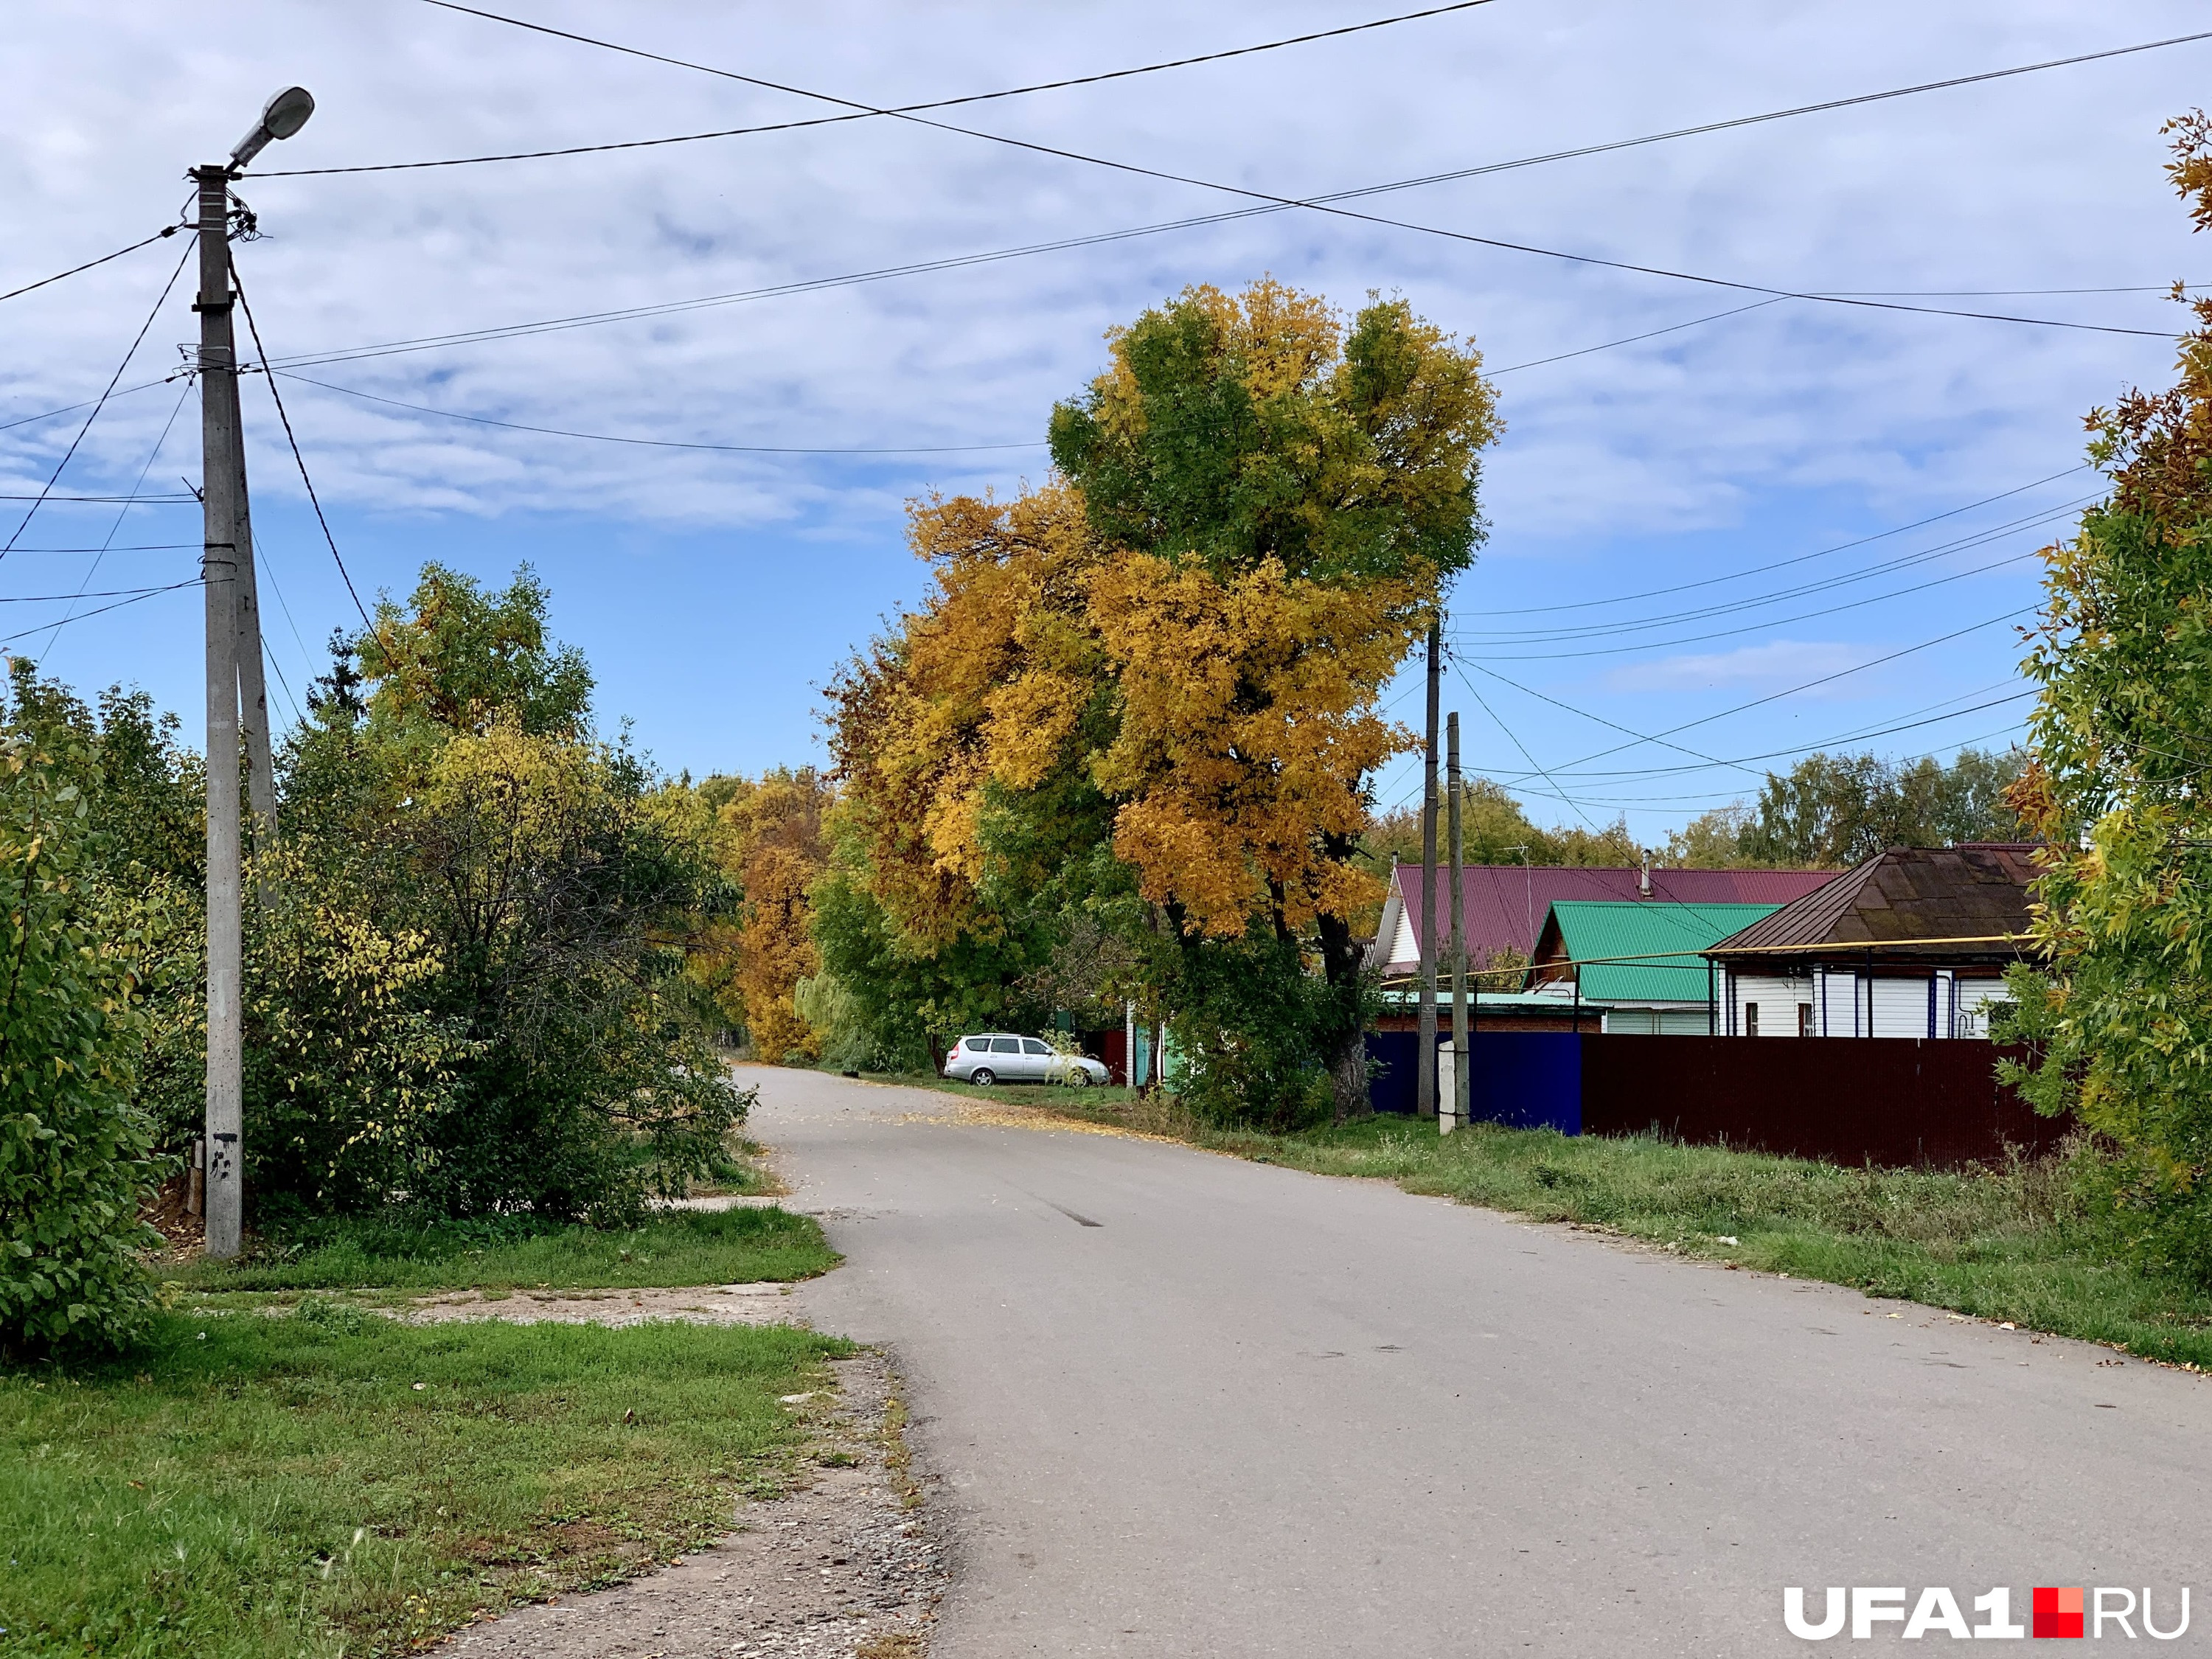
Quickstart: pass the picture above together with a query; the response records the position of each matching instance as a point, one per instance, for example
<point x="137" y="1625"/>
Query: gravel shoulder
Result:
<point x="702" y="1304"/>
<point x="842" y="1568"/>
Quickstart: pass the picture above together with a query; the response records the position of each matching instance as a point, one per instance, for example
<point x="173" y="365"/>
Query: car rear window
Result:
<point x="974" y="1045"/>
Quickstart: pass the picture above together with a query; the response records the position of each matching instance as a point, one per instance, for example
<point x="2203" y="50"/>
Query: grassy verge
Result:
<point x="315" y="1480"/>
<point x="690" y="1247"/>
<point x="2013" y="1243"/>
<point x="328" y="1482"/>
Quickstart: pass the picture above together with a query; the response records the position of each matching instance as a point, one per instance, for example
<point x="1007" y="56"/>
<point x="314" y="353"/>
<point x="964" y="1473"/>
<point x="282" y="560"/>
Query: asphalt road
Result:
<point x="1178" y="1404"/>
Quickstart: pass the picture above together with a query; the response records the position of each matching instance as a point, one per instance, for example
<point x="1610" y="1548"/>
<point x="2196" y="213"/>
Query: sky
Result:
<point x="1805" y="524"/>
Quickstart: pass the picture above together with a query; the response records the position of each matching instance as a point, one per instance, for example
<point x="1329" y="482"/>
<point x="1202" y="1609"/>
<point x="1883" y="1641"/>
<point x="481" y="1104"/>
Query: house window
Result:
<point x="1751" y="1019"/>
<point x="1804" y="1019"/>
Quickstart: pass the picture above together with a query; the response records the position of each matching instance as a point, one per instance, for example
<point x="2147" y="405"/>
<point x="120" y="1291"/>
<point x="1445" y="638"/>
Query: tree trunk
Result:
<point x="1344" y="1044"/>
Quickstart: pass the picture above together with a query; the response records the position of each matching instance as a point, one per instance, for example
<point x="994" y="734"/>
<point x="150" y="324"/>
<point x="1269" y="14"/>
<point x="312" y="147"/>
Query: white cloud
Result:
<point x="1778" y="662"/>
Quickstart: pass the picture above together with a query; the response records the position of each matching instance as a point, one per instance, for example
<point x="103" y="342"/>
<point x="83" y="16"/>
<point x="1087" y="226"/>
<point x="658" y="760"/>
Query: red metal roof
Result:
<point x="1503" y="905"/>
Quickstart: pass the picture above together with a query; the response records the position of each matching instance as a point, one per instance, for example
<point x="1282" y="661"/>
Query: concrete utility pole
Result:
<point x="252" y="675"/>
<point x="1461" y="1054"/>
<point x="1425" y="1063"/>
<point x="225" y="569"/>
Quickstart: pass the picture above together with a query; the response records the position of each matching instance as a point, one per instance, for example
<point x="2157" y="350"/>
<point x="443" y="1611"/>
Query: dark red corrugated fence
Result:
<point x="1894" y="1101"/>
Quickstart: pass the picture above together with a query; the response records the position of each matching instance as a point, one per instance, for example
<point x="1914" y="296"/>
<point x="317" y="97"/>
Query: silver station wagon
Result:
<point x="999" y="1058"/>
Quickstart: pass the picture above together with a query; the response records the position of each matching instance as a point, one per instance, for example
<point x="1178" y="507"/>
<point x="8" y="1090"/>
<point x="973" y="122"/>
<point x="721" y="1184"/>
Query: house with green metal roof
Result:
<point x="1641" y="959"/>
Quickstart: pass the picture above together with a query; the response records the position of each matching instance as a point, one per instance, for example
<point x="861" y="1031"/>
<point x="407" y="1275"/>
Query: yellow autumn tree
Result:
<point x="766" y="834"/>
<point x="1190" y="627"/>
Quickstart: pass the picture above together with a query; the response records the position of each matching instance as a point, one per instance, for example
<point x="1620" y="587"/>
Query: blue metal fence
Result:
<point x="1526" y="1080"/>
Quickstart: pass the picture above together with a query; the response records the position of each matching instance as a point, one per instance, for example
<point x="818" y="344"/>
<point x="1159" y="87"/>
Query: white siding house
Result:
<point x="1913" y="943"/>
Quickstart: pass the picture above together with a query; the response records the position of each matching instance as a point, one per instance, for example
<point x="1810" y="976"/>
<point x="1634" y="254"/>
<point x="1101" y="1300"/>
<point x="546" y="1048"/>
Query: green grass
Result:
<point x="2014" y="1243"/>
<point x="690" y="1247"/>
<point x="330" y="1483"/>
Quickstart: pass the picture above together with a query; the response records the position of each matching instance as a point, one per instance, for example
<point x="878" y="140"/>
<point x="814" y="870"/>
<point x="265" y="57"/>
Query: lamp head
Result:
<point x="283" y="116"/>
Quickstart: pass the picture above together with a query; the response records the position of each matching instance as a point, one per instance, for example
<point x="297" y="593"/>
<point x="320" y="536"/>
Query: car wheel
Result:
<point x="982" y="1076"/>
<point x="1079" y="1079"/>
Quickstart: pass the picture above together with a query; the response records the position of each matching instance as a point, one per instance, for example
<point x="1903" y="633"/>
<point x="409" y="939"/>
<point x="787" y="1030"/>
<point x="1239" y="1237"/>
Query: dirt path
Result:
<point x="703" y="1304"/>
<point x="843" y="1569"/>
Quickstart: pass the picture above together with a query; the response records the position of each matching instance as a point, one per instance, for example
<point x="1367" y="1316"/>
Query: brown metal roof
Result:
<point x="1909" y="893"/>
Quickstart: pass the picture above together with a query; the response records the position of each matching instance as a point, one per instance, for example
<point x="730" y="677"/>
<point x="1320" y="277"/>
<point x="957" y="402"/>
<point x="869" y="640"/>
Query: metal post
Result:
<point x="1461" y="1094"/>
<point x="1425" y="1065"/>
<point x="221" y="474"/>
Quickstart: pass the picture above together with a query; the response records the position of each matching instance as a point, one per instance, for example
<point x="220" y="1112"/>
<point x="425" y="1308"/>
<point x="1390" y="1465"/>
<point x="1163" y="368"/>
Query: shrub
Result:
<point x="76" y="1152"/>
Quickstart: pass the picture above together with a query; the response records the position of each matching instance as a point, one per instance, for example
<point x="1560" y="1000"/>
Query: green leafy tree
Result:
<point x="1496" y="829"/>
<point x="504" y="902"/>
<point x="1830" y="811"/>
<point x="2120" y="1011"/>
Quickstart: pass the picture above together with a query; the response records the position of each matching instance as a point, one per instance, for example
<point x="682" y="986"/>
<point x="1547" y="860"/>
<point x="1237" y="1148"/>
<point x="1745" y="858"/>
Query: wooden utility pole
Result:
<point x="1424" y="1067"/>
<point x="1461" y="1052"/>
<point x="223" y="477"/>
<point x="234" y="643"/>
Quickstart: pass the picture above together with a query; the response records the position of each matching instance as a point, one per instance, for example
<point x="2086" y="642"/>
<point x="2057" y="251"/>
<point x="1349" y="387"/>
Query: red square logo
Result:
<point x="2058" y="1612"/>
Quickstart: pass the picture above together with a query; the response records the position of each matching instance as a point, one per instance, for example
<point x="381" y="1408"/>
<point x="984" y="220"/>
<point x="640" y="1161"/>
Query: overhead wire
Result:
<point x="1600" y="719"/>
<point x="1772" y="622"/>
<point x="652" y="443"/>
<point x="1649" y="334"/>
<point x="1524" y="749"/>
<point x="139" y="597"/>
<point x="1332" y="204"/>
<point x="1489" y="637"/>
<point x="863" y="114"/>
<point x="1801" y="558"/>
<point x="116" y="524"/>
<point x="43" y="282"/>
<point x="172" y="499"/>
<point x="100" y="402"/>
<point x="299" y="459"/>
<point x="1811" y="684"/>
<point x="128" y="547"/>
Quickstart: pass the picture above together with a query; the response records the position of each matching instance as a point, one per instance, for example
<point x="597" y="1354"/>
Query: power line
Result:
<point x="298" y="459"/>
<point x="1522" y="747"/>
<point x="116" y="524"/>
<point x="128" y="547"/>
<point x="1490" y="637"/>
<point x="652" y="443"/>
<point x="1600" y="719"/>
<point x="166" y="230"/>
<point x="1331" y="203"/>
<point x="1772" y="622"/>
<point x="863" y="112"/>
<point x="61" y="598"/>
<point x="1784" y="564"/>
<point x="1649" y="334"/>
<point x="1824" y="679"/>
<point x="1743" y="762"/>
<point x="139" y="597"/>
<point x="1926" y="714"/>
<point x="858" y="115"/>
<point x="136" y="340"/>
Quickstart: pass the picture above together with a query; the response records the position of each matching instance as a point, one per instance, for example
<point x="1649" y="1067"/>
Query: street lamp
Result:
<point x="280" y="116"/>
